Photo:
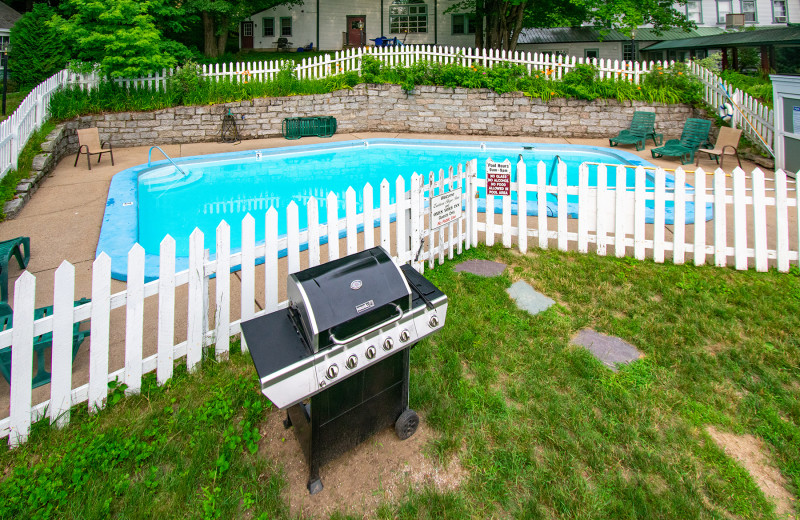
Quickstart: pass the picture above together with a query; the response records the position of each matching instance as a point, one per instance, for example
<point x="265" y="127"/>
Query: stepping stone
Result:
<point x="610" y="350"/>
<point x="528" y="299"/>
<point x="481" y="267"/>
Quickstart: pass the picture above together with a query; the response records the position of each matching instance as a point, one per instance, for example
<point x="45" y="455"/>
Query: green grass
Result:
<point x="13" y="99"/>
<point x="8" y="184"/>
<point x="541" y="428"/>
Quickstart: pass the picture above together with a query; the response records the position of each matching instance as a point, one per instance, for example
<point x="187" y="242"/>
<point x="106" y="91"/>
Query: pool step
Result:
<point x="170" y="178"/>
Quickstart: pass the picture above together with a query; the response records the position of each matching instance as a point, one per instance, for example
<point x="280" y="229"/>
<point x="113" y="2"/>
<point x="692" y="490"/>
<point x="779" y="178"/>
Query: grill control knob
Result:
<point x="332" y="371"/>
<point x="404" y="336"/>
<point x="371" y="352"/>
<point x="352" y="362"/>
<point x="434" y="321"/>
<point x="388" y="344"/>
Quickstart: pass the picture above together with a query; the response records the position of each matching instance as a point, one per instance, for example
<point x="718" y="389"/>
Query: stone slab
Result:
<point x="610" y="350"/>
<point x="528" y="299"/>
<point x="481" y="267"/>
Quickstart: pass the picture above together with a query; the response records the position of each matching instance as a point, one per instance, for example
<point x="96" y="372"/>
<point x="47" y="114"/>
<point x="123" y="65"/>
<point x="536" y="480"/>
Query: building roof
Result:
<point x="595" y="34"/>
<point x="779" y="36"/>
<point x="8" y="16"/>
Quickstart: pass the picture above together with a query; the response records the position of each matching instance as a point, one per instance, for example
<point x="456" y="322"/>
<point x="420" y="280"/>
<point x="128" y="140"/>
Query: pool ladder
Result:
<point x="556" y="160"/>
<point x="150" y="153"/>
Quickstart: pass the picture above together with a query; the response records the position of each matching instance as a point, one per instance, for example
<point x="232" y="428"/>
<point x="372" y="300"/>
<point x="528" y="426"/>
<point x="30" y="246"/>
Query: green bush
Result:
<point x="188" y="88"/>
<point x="37" y="51"/>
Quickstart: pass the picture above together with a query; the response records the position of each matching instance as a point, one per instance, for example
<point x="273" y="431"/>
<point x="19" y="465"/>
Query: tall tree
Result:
<point x="222" y="16"/>
<point x="500" y="22"/>
<point x="119" y="35"/>
<point x="37" y="50"/>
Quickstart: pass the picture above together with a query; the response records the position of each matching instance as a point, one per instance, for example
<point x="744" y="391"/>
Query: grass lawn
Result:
<point x="13" y="99"/>
<point x="541" y="428"/>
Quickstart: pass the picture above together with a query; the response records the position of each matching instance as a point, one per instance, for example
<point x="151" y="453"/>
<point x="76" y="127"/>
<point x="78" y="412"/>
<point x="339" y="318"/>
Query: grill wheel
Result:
<point x="406" y="424"/>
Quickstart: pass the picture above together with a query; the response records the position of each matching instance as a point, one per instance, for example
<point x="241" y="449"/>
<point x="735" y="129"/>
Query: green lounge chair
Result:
<point x="20" y="248"/>
<point x="642" y="127"/>
<point x="694" y="135"/>
<point x="40" y="343"/>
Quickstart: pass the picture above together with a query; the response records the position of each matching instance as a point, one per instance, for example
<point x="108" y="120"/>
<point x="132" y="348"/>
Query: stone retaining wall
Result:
<point x="386" y="108"/>
<point x="54" y="148"/>
<point x="365" y="108"/>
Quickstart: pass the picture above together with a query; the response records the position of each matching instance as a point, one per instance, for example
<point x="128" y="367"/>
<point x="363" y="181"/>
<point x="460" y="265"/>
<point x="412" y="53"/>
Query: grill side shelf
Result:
<point x="274" y="342"/>
<point x="424" y="292"/>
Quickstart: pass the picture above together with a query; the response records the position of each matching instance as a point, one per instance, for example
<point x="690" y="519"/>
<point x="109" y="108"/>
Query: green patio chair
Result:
<point x="20" y="248"/>
<point x="642" y="127"/>
<point x="694" y="135"/>
<point x="40" y="343"/>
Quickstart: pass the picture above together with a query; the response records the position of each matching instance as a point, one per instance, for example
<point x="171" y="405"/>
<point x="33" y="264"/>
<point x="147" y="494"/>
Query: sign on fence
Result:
<point x="445" y="208"/>
<point x="498" y="178"/>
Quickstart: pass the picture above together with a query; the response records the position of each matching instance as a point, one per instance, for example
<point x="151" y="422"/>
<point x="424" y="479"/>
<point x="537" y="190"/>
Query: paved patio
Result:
<point x="63" y="219"/>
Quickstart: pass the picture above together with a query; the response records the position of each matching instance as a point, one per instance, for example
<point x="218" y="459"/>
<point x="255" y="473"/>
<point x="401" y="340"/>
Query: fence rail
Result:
<point x="761" y="214"/>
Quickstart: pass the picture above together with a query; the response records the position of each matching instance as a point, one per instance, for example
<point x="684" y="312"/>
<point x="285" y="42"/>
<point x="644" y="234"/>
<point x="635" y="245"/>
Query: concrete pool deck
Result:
<point x="64" y="216"/>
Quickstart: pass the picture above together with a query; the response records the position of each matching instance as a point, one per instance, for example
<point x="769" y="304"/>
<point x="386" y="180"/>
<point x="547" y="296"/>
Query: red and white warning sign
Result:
<point x="498" y="178"/>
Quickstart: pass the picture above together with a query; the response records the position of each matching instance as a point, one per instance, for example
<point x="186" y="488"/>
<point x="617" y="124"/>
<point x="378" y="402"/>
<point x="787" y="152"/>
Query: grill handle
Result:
<point x="370" y="330"/>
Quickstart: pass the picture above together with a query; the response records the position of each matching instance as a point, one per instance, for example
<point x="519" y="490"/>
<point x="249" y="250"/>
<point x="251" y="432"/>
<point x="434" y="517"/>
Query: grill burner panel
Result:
<point x="352" y="374"/>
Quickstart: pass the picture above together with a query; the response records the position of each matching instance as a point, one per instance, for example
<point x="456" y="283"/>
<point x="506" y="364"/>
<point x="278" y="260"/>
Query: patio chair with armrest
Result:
<point x="694" y="135"/>
<point x="19" y="248"/>
<point x="727" y="144"/>
<point x="40" y="343"/>
<point x="642" y="127"/>
<point x="89" y="141"/>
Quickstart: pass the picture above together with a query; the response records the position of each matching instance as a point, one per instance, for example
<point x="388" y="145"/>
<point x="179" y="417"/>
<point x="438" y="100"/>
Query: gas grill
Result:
<point x="337" y="358"/>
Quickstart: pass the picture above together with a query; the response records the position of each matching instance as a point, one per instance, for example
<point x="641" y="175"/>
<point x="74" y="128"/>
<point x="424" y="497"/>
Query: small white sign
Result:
<point x="498" y="178"/>
<point x="445" y="208"/>
<point x="796" y="120"/>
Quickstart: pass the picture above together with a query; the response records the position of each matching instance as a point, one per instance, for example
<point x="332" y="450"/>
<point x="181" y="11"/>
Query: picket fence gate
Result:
<point x="614" y="221"/>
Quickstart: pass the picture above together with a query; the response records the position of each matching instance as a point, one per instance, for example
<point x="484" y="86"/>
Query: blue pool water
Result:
<point x="147" y="203"/>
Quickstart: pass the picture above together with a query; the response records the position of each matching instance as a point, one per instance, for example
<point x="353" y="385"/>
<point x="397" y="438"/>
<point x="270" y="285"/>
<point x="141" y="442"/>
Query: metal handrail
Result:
<point x="556" y="160"/>
<point x="150" y="153"/>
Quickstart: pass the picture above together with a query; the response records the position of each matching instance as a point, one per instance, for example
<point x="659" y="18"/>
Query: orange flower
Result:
<point x="680" y="73"/>
<point x="552" y="93"/>
<point x="638" y="88"/>
<point x="661" y="73"/>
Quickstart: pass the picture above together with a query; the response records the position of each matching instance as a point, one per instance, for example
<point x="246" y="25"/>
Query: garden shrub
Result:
<point x="37" y="50"/>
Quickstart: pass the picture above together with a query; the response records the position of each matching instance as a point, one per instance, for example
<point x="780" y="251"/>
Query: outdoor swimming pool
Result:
<point x="145" y="203"/>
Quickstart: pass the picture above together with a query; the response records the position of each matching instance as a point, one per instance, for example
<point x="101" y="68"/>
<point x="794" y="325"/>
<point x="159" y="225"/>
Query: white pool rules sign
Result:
<point x="445" y="208"/>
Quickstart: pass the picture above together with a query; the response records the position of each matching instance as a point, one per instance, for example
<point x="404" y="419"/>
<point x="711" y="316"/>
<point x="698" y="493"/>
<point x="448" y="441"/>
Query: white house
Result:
<point x="334" y="24"/>
<point x="8" y="17"/>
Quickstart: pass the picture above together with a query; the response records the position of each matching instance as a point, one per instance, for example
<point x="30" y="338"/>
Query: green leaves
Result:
<point x="37" y="50"/>
<point x="119" y="35"/>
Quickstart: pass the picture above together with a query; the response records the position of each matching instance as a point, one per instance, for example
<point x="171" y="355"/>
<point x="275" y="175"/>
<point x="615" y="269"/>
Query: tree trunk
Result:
<point x="222" y="39"/>
<point x="480" y="15"/>
<point x="209" y="47"/>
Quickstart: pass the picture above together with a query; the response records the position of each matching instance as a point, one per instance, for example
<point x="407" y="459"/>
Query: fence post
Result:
<point x="98" y="349"/>
<point x="22" y="359"/>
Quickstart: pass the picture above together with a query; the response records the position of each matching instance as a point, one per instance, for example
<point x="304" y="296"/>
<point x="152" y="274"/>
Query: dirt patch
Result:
<point x="379" y="470"/>
<point x="749" y="451"/>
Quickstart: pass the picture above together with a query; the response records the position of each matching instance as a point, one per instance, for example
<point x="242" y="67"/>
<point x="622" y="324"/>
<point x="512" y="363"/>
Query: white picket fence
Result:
<point x="761" y="213"/>
<point x="26" y="119"/>
<point x="15" y="131"/>
<point x="755" y="118"/>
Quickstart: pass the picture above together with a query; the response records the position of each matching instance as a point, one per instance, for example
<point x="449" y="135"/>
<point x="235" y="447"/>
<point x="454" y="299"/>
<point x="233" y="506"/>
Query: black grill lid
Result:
<point x="350" y="287"/>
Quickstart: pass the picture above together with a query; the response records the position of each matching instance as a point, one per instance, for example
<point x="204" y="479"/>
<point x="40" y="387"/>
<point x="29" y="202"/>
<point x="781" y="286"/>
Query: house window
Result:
<point x="694" y="11"/>
<point x="269" y="26"/>
<point x="408" y="16"/>
<point x="724" y="7"/>
<point x="627" y="52"/>
<point x="286" y="26"/>
<point x="749" y="11"/>
<point x="591" y="54"/>
<point x="463" y="24"/>
<point x="4" y="43"/>
<point x="779" y="11"/>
